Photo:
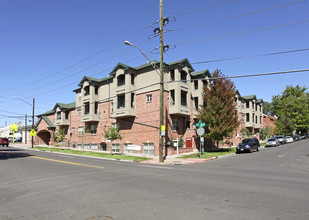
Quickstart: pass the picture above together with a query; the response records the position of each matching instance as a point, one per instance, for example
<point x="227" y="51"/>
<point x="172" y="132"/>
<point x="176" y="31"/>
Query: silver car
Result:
<point x="272" y="142"/>
<point x="289" y="139"/>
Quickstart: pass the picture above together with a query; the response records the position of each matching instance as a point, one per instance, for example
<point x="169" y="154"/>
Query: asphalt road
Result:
<point x="270" y="184"/>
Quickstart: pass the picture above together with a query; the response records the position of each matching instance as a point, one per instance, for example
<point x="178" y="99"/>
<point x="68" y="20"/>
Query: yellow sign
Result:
<point x="13" y="127"/>
<point x="32" y="133"/>
<point x="162" y="127"/>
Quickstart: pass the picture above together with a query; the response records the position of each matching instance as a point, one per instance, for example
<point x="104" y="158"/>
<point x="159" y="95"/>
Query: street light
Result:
<point x="286" y="121"/>
<point x="161" y="96"/>
<point x="32" y="115"/>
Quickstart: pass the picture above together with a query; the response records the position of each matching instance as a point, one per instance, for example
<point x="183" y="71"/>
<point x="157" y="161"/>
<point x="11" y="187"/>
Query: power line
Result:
<point x="11" y="112"/>
<point x="203" y="8"/>
<point x="237" y="16"/>
<point x="94" y="55"/>
<point x="260" y="55"/>
<point x="244" y="32"/>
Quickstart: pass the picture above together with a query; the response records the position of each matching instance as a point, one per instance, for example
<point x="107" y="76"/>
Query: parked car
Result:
<point x="281" y="139"/>
<point x="19" y="139"/>
<point x="4" y="142"/>
<point x="248" y="145"/>
<point x="272" y="142"/>
<point x="295" y="137"/>
<point x="289" y="139"/>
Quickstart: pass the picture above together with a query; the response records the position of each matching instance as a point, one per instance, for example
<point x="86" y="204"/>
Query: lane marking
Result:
<point x="72" y="163"/>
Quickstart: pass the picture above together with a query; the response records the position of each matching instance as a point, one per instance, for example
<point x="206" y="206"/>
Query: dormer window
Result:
<point x="86" y="90"/>
<point x="172" y="75"/>
<point x="58" y="115"/>
<point x="183" y="76"/>
<point x="121" y="80"/>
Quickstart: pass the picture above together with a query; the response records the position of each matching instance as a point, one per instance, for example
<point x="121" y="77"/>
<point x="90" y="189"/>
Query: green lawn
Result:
<point x="207" y="155"/>
<point x="94" y="154"/>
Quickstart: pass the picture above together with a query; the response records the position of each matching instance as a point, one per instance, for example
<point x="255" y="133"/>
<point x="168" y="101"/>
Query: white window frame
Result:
<point x="148" y="98"/>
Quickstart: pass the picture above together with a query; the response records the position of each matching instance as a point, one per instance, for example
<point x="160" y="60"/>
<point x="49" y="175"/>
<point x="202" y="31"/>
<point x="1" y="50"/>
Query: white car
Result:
<point x="272" y="142"/>
<point x="289" y="139"/>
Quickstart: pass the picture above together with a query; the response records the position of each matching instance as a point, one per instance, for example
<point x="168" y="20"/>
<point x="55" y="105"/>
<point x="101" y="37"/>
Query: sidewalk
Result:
<point x="169" y="160"/>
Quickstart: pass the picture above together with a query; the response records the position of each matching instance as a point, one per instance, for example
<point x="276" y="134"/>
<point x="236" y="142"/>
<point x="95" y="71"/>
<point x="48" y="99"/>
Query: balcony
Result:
<point x="123" y="112"/>
<point x="62" y="121"/>
<point x="179" y="110"/>
<point x="90" y="117"/>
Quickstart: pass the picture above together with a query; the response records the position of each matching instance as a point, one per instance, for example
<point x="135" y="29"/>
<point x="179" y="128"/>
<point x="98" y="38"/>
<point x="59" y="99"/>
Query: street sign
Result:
<point x="32" y="133"/>
<point x="13" y="127"/>
<point x="162" y="130"/>
<point x="200" y="131"/>
<point x="200" y="124"/>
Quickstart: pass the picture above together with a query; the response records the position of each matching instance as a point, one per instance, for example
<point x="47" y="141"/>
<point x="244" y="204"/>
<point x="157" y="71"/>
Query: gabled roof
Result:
<point x="201" y="73"/>
<point x="46" y="113"/>
<point x="121" y="65"/>
<point x="183" y="61"/>
<point x="47" y="120"/>
<point x="260" y="101"/>
<point x="89" y="79"/>
<point x="249" y="97"/>
<point x="63" y="106"/>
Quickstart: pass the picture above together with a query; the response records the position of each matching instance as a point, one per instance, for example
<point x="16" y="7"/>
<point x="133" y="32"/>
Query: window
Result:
<point x="247" y="104"/>
<point x="132" y="100"/>
<point x="121" y="80"/>
<point x="66" y="115"/>
<point x="149" y="98"/>
<point x="172" y="97"/>
<point x="183" y="76"/>
<point x="204" y="83"/>
<point x="132" y="79"/>
<point x="78" y="111"/>
<point x="86" y="90"/>
<point x="58" y="115"/>
<point x="91" y="128"/>
<point x="86" y="108"/>
<point x="121" y="101"/>
<point x="196" y="85"/>
<point x="188" y="124"/>
<point x="126" y="148"/>
<point x="115" y="148"/>
<point x="79" y="96"/>
<point x="80" y="131"/>
<point x="243" y="118"/>
<point x="96" y="90"/>
<point x="149" y="148"/>
<point x="196" y="103"/>
<point x="183" y="98"/>
<point x="112" y="107"/>
<point x="96" y="107"/>
<point x="247" y="117"/>
<point x="73" y="130"/>
<point x="172" y="75"/>
<point x="175" y="125"/>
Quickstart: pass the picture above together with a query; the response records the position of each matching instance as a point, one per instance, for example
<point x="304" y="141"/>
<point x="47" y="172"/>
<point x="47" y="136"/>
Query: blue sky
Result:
<point x="48" y="46"/>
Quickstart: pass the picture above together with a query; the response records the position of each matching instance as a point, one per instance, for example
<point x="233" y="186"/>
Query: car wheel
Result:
<point x="250" y="150"/>
<point x="258" y="148"/>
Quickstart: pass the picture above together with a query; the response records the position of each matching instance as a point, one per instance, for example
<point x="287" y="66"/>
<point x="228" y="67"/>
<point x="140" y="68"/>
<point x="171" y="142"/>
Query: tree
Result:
<point x="267" y="108"/>
<point x="266" y="133"/>
<point x="59" y="136"/>
<point x="219" y="110"/>
<point x="246" y="133"/>
<point x="292" y="104"/>
<point x="112" y="133"/>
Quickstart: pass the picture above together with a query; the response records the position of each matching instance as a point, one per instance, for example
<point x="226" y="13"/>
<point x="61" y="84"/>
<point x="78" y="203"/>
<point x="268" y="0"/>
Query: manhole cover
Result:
<point x="101" y="218"/>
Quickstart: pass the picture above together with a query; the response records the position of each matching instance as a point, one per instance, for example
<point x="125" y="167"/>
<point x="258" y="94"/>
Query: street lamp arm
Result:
<point x="144" y="54"/>
<point x="23" y="101"/>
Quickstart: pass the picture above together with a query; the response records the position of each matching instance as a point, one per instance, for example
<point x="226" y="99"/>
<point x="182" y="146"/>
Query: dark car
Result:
<point x="248" y="145"/>
<point x="295" y="137"/>
<point x="4" y="142"/>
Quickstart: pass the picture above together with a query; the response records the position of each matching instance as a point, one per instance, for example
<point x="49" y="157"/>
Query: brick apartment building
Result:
<point x="130" y="97"/>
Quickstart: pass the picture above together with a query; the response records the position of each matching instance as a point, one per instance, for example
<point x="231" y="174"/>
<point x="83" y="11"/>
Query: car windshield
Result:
<point x="246" y="141"/>
<point x="272" y="139"/>
<point x="287" y="137"/>
<point x="279" y="137"/>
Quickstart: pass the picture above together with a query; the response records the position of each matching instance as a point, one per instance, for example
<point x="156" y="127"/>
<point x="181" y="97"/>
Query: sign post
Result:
<point x="201" y="132"/>
<point x="13" y="127"/>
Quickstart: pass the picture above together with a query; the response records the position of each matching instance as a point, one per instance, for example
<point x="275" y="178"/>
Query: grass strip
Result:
<point x="95" y="154"/>
<point x="207" y="155"/>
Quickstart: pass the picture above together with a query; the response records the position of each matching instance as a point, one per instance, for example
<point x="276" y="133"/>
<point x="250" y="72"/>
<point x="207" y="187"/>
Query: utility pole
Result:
<point x="26" y="129"/>
<point x="32" y="121"/>
<point x="161" y="85"/>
